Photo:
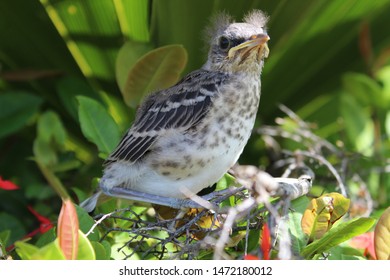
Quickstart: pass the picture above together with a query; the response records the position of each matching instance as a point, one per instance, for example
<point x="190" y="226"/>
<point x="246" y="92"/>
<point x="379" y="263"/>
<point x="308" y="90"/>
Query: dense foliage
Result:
<point x="65" y="101"/>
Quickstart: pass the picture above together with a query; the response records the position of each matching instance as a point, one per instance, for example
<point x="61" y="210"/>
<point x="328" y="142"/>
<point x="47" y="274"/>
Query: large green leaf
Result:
<point x="95" y="30"/>
<point x="158" y="69"/>
<point x="337" y="235"/>
<point x="51" y="251"/>
<point x="97" y="125"/>
<point x="17" y="108"/>
<point x="85" y="250"/>
<point x="128" y="55"/>
<point x="86" y="222"/>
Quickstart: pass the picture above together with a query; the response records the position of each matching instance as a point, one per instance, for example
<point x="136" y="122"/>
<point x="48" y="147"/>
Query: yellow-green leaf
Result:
<point x="322" y="213"/>
<point x="51" y="251"/>
<point x="85" y="248"/>
<point x="25" y="250"/>
<point x="68" y="230"/>
<point x="382" y="236"/>
<point x="158" y="69"/>
<point x="337" y="235"/>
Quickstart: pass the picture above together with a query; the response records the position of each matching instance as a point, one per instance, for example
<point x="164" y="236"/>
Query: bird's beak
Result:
<point x="256" y="41"/>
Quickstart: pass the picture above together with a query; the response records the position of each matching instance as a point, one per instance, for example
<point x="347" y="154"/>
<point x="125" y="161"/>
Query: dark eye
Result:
<point x="224" y="43"/>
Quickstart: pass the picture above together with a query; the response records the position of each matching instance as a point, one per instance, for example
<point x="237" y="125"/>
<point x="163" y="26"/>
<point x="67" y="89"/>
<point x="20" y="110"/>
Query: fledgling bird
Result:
<point x="186" y="137"/>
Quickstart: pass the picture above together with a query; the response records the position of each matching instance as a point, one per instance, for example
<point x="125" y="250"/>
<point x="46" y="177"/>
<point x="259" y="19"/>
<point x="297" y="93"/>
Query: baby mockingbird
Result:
<point x="186" y="137"/>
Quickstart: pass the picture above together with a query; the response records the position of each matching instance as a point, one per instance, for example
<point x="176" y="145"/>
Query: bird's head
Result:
<point x="238" y="46"/>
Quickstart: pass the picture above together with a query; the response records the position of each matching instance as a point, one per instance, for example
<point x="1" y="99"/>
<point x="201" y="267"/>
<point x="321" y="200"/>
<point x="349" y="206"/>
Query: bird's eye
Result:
<point x="224" y="43"/>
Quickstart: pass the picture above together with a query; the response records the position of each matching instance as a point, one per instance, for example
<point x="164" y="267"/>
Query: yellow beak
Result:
<point x="256" y="41"/>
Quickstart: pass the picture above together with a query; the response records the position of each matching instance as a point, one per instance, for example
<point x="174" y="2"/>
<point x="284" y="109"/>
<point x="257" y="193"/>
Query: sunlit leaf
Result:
<point x="68" y="230"/>
<point x="85" y="248"/>
<point x="25" y="250"/>
<point x="97" y="125"/>
<point x="156" y="70"/>
<point x="383" y="76"/>
<point x="322" y="213"/>
<point x="337" y="235"/>
<point x="382" y="236"/>
<point x="387" y="124"/>
<point x="51" y="251"/>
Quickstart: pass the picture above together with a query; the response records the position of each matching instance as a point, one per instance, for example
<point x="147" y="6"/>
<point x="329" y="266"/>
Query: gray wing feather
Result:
<point x="182" y="107"/>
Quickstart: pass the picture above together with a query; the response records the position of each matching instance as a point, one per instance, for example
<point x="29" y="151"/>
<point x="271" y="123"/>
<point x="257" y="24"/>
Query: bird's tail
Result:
<point x="90" y="203"/>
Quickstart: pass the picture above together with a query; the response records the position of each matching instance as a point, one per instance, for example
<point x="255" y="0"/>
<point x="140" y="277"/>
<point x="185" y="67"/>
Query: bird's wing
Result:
<point x="180" y="107"/>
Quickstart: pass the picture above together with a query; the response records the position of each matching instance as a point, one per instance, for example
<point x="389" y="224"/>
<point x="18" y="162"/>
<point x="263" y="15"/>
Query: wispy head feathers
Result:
<point x="222" y="20"/>
<point x="257" y="18"/>
<point x="218" y="23"/>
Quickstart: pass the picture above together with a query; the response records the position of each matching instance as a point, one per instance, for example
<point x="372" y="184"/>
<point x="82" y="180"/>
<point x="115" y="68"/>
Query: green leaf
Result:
<point x="225" y="182"/>
<point x="358" y="125"/>
<point x="51" y="137"/>
<point x="46" y="238"/>
<point x="85" y="250"/>
<point x="128" y="55"/>
<point x="44" y="152"/>
<point x="86" y="222"/>
<point x="253" y="240"/>
<point x="156" y="70"/>
<point x="345" y="253"/>
<point x="97" y="125"/>
<point x="17" y="108"/>
<point x="51" y="251"/>
<point x="69" y="88"/>
<point x="383" y="76"/>
<point x="4" y="237"/>
<point x="337" y="235"/>
<point x="100" y="250"/>
<point x="10" y="222"/>
<point x="298" y="238"/>
<point x="387" y="124"/>
<point x="25" y="250"/>
<point x="365" y="90"/>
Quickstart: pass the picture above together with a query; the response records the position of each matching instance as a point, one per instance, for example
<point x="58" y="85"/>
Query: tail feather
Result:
<point x="90" y="203"/>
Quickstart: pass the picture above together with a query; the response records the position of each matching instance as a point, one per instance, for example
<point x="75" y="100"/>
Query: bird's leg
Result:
<point x="130" y="194"/>
<point x="177" y="203"/>
<point x="226" y="192"/>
